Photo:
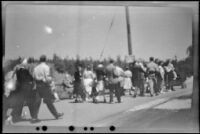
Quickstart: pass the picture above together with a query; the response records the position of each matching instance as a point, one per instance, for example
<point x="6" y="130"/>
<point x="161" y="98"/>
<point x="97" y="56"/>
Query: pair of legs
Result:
<point x="115" y="88"/>
<point x="48" y="98"/>
<point x="25" y="94"/>
<point x="160" y="83"/>
<point x="141" y="87"/>
<point x="153" y="86"/>
<point x="98" y="89"/>
<point x="79" y="92"/>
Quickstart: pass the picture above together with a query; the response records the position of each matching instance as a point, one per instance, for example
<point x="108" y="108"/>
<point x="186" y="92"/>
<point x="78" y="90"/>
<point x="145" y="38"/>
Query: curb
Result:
<point x="153" y="103"/>
<point x="137" y="108"/>
<point x="149" y="104"/>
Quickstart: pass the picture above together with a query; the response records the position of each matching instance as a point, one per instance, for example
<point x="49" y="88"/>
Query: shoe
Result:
<point x="151" y="95"/>
<point x="95" y="101"/>
<point x="35" y="120"/>
<point x="9" y="121"/>
<point x="173" y="89"/>
<point x="120" y="101"/>
<point x="59" y="115"/>
<point x="112" y="102"/>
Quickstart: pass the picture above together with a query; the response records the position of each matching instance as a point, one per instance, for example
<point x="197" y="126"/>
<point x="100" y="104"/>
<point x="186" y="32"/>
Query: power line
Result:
<point x="111" y="24"/>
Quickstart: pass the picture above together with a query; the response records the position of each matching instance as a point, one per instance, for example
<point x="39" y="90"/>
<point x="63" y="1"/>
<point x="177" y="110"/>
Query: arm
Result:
<point x="14" y="71"/>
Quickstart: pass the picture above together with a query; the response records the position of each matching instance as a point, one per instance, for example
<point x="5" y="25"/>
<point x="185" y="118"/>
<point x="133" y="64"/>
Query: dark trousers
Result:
<point x="24" y="95"/>
<point x="115" y="88"/>
<point x="34" y="103"/>
<point x="48" y="97"/>
<point x="141" y="86"/>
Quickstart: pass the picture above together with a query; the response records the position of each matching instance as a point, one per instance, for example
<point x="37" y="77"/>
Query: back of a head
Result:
<point x="151" y="59"/>
<point x="31" y="60"/>
<point x="43" y="58"/>
<point x="23" y="75"/>
<point x="157" y="60"/>
<point x="111" y="61"/>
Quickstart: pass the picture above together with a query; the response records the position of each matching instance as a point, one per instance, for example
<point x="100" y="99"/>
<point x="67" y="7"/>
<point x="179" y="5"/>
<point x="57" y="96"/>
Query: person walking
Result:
<point x="43" y="80"/>
<point x="24" y="93"/>
<point x="100" y="86"/>
<point x="79" y="89"/>
<point x="152" y="69"/>
<point x="88" y="80"/>
<point x="170" y="75"/>
<point x="113" y="82"/>
<point x="127" y="80"/>
<point x="161" y="77"/>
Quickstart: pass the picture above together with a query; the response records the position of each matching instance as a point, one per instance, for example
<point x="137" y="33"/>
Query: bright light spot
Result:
<point x="48" y="29"/>
<point x="10" y="85"/>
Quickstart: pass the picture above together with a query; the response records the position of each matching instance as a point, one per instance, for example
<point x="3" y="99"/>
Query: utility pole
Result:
<point x="128" y="31"/>
<point x="195" y="93"/>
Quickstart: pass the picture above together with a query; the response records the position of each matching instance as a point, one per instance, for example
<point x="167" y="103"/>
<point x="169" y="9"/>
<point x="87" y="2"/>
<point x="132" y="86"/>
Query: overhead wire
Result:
<point x="108" y="32"/>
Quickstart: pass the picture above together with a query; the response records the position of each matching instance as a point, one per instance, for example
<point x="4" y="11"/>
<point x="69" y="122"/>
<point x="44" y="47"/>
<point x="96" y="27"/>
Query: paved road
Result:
<point x="101" y="114"/>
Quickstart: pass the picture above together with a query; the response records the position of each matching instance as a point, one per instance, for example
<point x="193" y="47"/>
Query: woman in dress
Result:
<point x="127" y="80"/>
<point x="88" y="79"/>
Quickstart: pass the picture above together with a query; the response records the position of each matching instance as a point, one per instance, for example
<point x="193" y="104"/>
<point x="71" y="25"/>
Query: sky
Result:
<point x="66" y="30"/>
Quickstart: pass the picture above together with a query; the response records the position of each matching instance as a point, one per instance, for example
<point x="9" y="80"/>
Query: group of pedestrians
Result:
<point x="153" y="77"/>
<point x="35" y="82"/>
<point x="33" y="85"/>
<point x="138" y="78"/>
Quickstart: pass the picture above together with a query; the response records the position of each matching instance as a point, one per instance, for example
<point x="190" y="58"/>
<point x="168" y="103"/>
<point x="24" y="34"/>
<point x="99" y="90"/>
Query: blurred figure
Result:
<point x="43" y="81"/>
<point x="161" y="77"/>
<point x="135" y="79"/>
<point x="138" y="78"/>
<point x="100" y="86"/>
<point x="88" y="80"/>
<point x="170" y="74"/>
<point x="119" y="73"/>
<point x="79" y="89"/>
<point x="53" y="88"/>
<point x="113" y="81"/>
<point x="24" y="93"/>
<point x="127" y="80"/>
<point x="152" y="69"/>
<point x="141" y="77"/>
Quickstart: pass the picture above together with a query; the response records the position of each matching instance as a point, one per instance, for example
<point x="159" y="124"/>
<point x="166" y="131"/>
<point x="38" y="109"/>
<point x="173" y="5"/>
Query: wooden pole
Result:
<point x="128" y="32"/>
<point x="195" y="94"/>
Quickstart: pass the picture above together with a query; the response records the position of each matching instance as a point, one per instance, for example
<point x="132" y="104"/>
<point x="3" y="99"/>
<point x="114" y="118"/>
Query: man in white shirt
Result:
<point x="43" y="79"/>
<point x="152" y="69"/>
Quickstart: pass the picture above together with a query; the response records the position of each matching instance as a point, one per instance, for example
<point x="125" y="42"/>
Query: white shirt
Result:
<point x="42" y="72"/>
<point x="128" y="74"/>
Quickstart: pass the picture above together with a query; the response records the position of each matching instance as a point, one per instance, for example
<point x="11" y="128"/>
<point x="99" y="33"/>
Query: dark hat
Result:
<point x="43" y="58"/>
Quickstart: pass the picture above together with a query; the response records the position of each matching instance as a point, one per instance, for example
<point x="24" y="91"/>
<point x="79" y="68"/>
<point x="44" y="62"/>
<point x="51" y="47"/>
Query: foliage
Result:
<point x="183" y="67"/>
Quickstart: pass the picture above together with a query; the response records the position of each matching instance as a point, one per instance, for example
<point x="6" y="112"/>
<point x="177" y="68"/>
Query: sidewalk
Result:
<point x="171" y="116"/>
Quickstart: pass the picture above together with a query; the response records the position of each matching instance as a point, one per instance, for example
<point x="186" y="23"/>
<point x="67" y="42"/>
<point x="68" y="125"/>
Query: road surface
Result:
<point x="89" y="114"/>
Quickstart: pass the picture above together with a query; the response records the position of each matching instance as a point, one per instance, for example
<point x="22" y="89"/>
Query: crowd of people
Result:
<point x="35" y="82"/>
<point x="153" y="77"/>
